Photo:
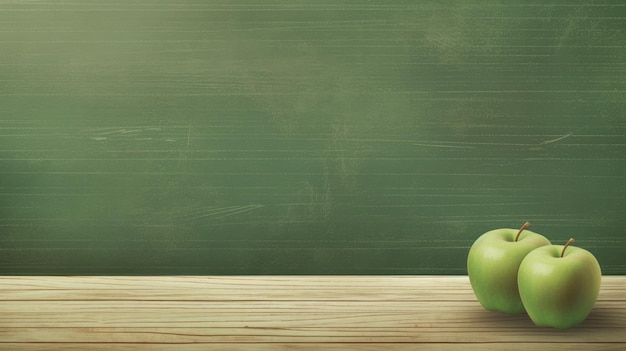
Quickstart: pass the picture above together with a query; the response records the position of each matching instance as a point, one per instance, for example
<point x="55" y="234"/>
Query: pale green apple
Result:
<point x="492" y="265"/>
<point x="559" y="285"/>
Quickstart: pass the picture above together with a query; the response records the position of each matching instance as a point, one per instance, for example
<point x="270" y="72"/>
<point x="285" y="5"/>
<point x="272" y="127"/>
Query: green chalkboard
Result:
<point x="305" y="136"/>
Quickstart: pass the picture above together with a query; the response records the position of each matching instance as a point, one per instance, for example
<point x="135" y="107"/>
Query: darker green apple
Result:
<point x="559" y="285"/>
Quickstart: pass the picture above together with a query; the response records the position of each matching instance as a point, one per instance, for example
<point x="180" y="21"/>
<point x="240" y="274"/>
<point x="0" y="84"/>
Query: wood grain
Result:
<point x="282" y="312"/>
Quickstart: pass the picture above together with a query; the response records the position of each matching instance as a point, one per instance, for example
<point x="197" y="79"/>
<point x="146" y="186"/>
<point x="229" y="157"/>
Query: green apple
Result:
<point x="559" y="287"/>
<point x="492" y="265"/>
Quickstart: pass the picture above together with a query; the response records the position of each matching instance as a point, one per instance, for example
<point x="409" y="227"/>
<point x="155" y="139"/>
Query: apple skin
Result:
<point x="492" y="265"/>
<point x="559" y="291"/>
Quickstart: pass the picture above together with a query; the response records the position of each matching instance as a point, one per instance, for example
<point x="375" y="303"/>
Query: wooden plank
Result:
<point x="260" y="314"/>
<point x="284" y="334"/>
<point x="284" y="312"/>
<point x="180" y="288"/>
<point x="314" y="347"/>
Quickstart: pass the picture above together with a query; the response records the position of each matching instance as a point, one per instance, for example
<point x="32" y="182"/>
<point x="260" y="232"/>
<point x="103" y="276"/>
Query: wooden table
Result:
<point x="283" y="313"/>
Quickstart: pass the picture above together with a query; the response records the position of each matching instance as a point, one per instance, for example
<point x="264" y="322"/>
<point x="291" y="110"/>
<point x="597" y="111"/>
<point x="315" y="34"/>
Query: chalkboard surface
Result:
<point x="306" y="137"/>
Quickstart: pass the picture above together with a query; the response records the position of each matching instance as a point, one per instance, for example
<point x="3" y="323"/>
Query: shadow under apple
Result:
<point x="599" y="326"/>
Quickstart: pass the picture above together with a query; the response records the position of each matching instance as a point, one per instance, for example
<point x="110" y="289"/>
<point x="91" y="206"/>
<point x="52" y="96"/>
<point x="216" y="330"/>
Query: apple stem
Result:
<point x="571" y="240"/>
<point x="526" y="225"/>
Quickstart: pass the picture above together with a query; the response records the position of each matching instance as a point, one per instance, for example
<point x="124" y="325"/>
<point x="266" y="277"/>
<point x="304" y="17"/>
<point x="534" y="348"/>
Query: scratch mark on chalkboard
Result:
<point x="221" y="212"/>
<point x="557" y="139"/>
<point x="189" y="135"/>
<point x="545" y="142"/>
<point x="103" y="132"/>
<point x="181" y="154"/>
<point x="119" y="131"/>
<point x="444" y="146"/>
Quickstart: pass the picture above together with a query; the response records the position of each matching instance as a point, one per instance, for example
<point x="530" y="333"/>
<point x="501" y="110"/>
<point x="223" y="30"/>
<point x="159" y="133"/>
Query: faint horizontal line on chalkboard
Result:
<point x="416" y="5"/>
<point x="366" y="26"/>
<point x="254" y="173"/>
<point x="506" y="221"/>
<point x="312" y="158"/>
<point x="426" y="92"/>
<point x="182" y="131"/>
<point x="326" y="248"/>
<point x="287" y="158"/>
<point x="571" y="221"/>
<point x="321" y="241"/>
<point x="473" y="204"/>
<point x="437" y="144"/>
<point x="602" y="66"/>
<point x="274" y="8"/>
<point x="317" y="44"/>
<point x="324" y="43"/>
<point x="203" y="267"/>
<point x="349" y="195"/>
<point x="260" y="7"/>
<point x="544" y="194"/>
<point x="251" y="241"/>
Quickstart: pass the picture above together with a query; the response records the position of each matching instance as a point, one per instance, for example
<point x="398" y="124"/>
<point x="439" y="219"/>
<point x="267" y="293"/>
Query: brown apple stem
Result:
<point x="526" y="225"/>
<point x="571" y="240"/>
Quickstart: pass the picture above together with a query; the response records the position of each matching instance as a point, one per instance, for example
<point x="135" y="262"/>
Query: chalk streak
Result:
<point x="545" y="142"/>
<point x="222" y="212"/>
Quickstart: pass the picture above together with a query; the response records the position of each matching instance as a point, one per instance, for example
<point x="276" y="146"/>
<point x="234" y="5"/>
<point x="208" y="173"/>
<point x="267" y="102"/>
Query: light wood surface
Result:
<point x="282" y="313"/>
